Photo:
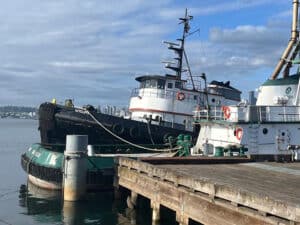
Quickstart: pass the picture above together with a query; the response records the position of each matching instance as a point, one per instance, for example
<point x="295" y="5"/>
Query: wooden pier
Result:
<point x="212" y="194"/>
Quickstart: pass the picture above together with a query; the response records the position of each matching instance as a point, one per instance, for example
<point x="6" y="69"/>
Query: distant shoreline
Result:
<point x="18" y="112"/>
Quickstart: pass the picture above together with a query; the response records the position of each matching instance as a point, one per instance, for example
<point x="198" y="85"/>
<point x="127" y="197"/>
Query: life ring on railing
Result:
<point x="226" y="111"/>
<point x="239" y="133"/>
<point x="180" y="96"/>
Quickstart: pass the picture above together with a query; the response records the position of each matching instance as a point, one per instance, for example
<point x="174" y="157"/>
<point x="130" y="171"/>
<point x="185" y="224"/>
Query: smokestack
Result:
<point x="292" y="41"/>
<point x="252" y="99"/>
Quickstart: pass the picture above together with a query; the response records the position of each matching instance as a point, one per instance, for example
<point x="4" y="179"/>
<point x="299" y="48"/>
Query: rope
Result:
<point x="149" y="131"/>
<point x="128" y="142"/>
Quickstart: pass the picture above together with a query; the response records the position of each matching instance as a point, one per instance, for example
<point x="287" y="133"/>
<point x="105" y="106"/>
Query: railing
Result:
<point x="253" y="114"/>
<point x="215" y="113"/>
<point x="164" y="94"/>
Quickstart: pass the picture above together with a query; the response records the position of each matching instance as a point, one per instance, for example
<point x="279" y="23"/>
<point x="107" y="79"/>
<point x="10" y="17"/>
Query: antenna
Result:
<point x="178" y="48"/>
<point x="170" y="43"/>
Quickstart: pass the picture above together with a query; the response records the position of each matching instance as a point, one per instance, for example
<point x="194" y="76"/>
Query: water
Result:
<point x="22" y="203"/>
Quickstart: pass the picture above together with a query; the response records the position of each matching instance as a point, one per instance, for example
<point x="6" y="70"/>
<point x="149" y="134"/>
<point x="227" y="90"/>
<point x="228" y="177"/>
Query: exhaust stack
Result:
<point x="291" y="43"/>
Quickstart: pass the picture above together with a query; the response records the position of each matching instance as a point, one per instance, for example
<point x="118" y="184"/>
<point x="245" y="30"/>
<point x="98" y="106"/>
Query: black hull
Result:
<point x="56" y="121"/>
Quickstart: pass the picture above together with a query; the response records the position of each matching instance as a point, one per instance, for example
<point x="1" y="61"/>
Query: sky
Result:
<point x="92" y="50"/>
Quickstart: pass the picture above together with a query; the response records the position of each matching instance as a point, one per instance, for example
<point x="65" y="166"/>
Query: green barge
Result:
<point x="44" y="164"/>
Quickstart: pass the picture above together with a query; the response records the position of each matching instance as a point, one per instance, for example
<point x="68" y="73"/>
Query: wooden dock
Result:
<point x="212" y="194"/>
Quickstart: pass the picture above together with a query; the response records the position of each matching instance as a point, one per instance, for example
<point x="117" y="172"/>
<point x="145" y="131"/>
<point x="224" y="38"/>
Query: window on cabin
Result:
<point x="143" y="84"/>
<point x="147" y="83"/>
<point x="161" y="84"/>
<point x="178" y="84"/>
<point x="170" y="85"/>
<point x="153" y="83"/>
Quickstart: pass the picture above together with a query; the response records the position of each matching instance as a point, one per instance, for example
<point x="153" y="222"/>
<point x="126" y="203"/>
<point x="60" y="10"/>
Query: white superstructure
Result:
<point x="170" y="100"/>
<point x="269" y="127"/>
<point x="167" y="100"/>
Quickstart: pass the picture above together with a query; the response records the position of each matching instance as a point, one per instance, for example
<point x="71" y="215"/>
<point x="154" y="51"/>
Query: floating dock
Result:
<point x="214" y="191"/>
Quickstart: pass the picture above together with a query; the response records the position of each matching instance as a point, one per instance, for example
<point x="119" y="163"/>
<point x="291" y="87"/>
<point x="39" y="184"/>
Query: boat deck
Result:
<point x="244" y="193"/>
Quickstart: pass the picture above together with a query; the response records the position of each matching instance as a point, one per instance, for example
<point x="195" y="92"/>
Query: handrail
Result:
<point x="250" y="114"/>
<point x="164" y="94"/>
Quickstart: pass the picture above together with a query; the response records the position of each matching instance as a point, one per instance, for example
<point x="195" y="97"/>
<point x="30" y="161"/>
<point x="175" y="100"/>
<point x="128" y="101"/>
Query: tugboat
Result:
<point x="161" y="107"/>
<point x="269" y="128"/>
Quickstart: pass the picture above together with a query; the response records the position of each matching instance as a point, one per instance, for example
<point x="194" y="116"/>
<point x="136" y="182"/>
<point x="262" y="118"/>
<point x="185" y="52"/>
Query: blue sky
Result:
<point x="92" y="50"/>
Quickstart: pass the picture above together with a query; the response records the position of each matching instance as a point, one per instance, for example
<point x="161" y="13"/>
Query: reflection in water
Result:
<point x="47" y="207"/>
<point x="43" y="205"/>
<point x="72" y="214"/>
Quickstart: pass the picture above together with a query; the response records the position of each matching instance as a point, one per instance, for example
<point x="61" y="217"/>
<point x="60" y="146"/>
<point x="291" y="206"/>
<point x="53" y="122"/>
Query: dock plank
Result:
<point x="277" y="185"/>
<point x="265" y="192"/>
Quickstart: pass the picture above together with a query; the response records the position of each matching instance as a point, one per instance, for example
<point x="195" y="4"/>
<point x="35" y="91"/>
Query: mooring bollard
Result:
<point x="75" y="167"/>
<point x="90" y="150"/>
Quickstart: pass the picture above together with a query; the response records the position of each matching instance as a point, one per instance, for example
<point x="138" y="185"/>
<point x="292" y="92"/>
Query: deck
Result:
<point x="222" y="193"/>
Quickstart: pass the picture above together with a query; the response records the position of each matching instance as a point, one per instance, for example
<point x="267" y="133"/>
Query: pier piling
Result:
<point x="155" y="211"/>
<point x="74" y="179"/>
<point x="212" y="193"/>
<point x="132" y="200"/>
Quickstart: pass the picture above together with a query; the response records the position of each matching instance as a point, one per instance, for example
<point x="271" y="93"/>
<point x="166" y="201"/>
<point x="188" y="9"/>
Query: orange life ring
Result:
<point x="239" y="133"/>
<point x="226" y="111"/>
<point x="180" y="96"/>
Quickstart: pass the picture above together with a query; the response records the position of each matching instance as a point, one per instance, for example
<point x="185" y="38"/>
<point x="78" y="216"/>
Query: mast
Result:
<point x="179" y="48"/>
<point x="285" y="59"/>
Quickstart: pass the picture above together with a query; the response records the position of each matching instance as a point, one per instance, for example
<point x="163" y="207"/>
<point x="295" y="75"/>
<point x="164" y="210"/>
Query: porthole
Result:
<point x="213" y="100"/>
<point x="283" y="134"/>
<point x="265" y="131"/>
<point x="288" y="90"/>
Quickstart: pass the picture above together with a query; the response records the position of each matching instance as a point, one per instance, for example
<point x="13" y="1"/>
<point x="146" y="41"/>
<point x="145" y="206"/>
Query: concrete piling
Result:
<point x="75" y="168"/>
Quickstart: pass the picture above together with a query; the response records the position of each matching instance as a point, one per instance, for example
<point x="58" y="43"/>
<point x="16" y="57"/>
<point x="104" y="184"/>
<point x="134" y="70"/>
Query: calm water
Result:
<point x="22" y="203"/>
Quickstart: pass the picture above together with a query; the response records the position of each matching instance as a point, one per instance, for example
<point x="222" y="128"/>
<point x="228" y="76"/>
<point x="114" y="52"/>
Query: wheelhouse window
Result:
<point x="149" y="84"/>
<point x="170" y="85"/>
<point x="178" y="84"/>
<point x="153" y="83"/>
<point x="161" y="84"/>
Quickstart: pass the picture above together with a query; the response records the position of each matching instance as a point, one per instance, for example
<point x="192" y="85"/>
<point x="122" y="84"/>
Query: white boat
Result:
<point x="269" y="128"/>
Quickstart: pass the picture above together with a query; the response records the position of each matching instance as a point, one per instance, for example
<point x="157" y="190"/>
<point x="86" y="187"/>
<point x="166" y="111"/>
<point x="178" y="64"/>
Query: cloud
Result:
<point x="212" y="7"/>
<point x="92" y="50"/>
<point x="245" y="54"/>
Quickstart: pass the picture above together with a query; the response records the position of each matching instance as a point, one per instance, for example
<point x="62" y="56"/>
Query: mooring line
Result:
<point x="128" y="142"/>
